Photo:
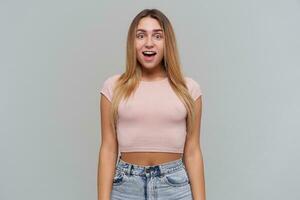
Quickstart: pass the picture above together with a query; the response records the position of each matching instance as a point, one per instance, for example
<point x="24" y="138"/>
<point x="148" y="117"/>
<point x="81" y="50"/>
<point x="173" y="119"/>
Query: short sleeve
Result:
<point x="194" y="88"/>
<point x="107" y="87"/>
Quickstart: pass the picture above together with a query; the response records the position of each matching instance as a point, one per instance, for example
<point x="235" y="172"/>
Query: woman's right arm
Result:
<point x="108" y="153"/>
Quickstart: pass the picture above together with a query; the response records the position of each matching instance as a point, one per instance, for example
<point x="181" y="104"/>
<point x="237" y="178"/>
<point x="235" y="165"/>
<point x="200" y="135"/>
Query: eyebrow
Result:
<point x="154" y="30"/>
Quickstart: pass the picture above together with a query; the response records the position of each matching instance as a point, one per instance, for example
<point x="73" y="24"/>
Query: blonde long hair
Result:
<point x="129" y="80"/>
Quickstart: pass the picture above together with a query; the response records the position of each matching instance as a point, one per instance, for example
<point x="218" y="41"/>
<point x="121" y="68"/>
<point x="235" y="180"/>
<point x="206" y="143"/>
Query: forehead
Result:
<point x="148" y="24"/>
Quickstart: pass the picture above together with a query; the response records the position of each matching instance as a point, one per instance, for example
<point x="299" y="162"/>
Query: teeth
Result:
<point x="149" y="52"/>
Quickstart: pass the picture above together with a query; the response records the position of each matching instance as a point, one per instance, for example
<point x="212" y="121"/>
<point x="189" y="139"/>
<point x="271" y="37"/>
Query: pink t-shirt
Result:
<point x="153" y="118"/>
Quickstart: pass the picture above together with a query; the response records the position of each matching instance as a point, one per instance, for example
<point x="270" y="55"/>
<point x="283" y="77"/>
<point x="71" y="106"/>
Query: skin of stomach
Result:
<point x="149" y="158"/>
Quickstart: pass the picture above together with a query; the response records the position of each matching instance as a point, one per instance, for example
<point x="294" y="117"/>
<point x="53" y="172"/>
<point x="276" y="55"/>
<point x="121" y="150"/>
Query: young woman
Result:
<point x="151" y="113"/>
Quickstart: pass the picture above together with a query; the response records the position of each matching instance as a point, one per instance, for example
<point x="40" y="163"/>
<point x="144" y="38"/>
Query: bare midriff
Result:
<point x="149" y="158"/>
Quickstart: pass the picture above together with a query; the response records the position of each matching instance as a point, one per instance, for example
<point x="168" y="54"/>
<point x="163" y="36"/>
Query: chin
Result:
<point x="149" y="66"/>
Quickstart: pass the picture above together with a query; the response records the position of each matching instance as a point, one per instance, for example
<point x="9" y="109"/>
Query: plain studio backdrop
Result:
<point x="55" y="55"/>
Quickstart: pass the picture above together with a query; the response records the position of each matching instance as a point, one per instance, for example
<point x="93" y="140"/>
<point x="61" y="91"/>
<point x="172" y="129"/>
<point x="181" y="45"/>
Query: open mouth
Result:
<point x="149" y="53"/>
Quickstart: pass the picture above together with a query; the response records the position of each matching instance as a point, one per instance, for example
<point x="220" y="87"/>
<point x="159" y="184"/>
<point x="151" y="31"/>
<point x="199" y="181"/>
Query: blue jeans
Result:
<point x="166" y="181"/>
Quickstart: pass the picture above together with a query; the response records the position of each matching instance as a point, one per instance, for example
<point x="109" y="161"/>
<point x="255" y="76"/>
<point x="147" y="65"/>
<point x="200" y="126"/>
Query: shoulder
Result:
<point x="193" y="87"/>
<point x="112" y="78"/>
<point x="108" y="84"/>
<point x="191" y="82"/>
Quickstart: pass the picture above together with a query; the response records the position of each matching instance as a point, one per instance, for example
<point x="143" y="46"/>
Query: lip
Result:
<point x="149" y="59"/>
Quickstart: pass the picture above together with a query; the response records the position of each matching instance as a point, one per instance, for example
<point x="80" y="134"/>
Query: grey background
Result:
<point x="55" y="56"/>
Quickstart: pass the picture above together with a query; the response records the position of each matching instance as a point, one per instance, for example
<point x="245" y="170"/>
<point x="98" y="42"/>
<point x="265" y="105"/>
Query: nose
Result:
<point x="149" y="42"/>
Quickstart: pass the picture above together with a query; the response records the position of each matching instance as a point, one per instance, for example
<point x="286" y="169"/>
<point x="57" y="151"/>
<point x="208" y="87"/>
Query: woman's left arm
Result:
<point x="193" y="158"/>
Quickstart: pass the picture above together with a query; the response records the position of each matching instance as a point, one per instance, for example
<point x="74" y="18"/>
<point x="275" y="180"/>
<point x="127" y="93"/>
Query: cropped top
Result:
<point x="153" y="119"/>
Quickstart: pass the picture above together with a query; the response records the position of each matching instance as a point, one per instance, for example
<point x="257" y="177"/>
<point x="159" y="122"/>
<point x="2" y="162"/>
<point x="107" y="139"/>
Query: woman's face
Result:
<point x="149" y="40"/>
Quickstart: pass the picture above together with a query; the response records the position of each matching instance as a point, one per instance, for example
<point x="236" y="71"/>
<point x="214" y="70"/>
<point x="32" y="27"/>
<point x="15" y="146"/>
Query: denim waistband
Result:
<point x="153" y="170"/>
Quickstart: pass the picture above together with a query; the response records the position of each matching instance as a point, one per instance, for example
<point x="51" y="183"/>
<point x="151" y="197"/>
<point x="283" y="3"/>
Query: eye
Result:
<point x="140" y="36"/>
<point x="158" y="36"/>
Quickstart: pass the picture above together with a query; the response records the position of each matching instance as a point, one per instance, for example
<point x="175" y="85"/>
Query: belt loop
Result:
<point x="161" y="172"/>
<point x="129" y="169"/>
